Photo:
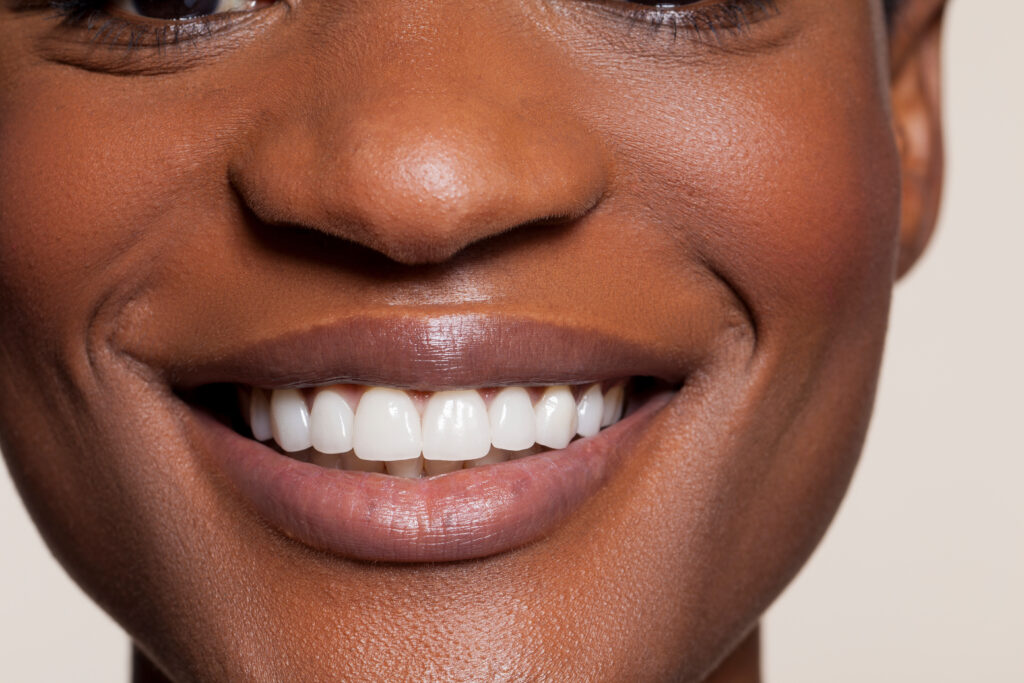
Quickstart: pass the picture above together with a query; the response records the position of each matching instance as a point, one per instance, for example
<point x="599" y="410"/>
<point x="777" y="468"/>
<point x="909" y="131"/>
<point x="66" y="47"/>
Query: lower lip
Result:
<point x="459" y="516"/>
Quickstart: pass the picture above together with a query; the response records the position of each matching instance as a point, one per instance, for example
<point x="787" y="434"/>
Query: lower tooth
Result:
<point x="409" y="469"/>
<point x="329" y="460"/>
<point x="527" y="452"/>
<point x="435" y="467"/>
<point x="349" y="461"/>
<point x="493" y="457"/>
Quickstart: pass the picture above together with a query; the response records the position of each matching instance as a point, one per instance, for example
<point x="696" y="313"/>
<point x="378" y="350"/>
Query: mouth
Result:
<point x="412" y="434"/>
<point x="399" y="473"/>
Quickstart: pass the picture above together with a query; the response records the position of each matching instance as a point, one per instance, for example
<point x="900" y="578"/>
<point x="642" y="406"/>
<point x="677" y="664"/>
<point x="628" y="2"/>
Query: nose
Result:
<point x="424" y="161"/>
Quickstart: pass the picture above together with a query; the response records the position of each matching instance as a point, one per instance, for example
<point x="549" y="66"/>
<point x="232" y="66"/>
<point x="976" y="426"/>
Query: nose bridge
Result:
<point x="421" y="151"/>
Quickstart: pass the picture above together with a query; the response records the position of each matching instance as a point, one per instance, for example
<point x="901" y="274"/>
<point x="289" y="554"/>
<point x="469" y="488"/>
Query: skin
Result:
<point x="759" y="196"/>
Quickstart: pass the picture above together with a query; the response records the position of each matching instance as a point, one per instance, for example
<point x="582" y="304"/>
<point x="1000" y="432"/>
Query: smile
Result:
<point x="399" y="472"/>
<point x="414" y="433"/>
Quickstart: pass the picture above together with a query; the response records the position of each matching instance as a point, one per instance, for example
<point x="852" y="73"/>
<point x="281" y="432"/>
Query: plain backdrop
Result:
<point x="921" y="577"/>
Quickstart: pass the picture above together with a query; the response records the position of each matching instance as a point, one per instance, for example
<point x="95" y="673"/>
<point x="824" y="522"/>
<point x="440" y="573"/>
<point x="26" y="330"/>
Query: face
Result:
<point x="212" y="227"/>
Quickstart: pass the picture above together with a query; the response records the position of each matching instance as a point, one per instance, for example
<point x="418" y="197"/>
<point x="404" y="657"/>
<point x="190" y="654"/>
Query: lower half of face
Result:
<point x="531" y="340"/>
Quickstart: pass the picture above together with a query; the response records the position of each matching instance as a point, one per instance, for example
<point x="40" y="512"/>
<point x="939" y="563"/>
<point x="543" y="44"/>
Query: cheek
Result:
<point x="782" y="174"/>
<point x="814" y="236"/>
<point x="89" y="170"/>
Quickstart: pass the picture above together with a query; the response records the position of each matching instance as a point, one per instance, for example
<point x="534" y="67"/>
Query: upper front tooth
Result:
<point x="289" y="420"/>
<point x="590" y="411"/>
<point x="613" y="401"/>
<point x="556" y="417"/>
<point x="331" y="422"/>
<point x="455" y="426"/>
<point x="387" y="426"/>
<point x="513" y="424"/>
<point x="259" y="415"/>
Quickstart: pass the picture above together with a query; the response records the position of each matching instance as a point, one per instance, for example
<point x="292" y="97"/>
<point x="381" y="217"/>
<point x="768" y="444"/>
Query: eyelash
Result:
<point x="708" y="21"/>
<point x="728" y="16"/>
<point x="106" y="28"/>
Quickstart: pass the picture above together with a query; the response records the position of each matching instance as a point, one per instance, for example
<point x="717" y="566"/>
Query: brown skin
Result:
<point x="538" y="158"/>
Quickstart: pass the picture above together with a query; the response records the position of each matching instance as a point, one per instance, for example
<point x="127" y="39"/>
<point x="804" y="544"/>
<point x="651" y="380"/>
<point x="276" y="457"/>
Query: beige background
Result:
<point x="921" y="578"/>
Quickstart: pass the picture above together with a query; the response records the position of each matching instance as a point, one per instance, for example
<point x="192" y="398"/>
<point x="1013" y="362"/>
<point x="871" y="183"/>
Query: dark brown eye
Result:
<point x="178" y="10"/>
<point x="666" y="5"/>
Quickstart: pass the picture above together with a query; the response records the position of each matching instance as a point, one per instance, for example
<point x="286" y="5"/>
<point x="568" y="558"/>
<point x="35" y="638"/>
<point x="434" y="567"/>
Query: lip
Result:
<point x="465" y="350"/>
<point x="462" y="515"/>
<point x="459" y="516"/>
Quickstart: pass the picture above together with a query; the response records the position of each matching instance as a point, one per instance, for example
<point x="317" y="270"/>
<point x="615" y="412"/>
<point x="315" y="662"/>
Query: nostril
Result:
<point x="420" y="178"/>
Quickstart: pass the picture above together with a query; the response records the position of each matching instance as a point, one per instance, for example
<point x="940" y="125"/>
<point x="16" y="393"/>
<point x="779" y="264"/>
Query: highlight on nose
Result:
<point x="420" y="178"/>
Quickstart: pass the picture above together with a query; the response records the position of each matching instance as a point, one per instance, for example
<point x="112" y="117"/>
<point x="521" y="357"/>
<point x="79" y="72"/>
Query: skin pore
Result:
<point x="735" y="200"/>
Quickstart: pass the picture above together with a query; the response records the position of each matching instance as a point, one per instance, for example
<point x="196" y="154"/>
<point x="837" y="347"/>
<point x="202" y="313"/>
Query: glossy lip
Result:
<point x="462" y="515"/>
<point x="466" y="350"/>
<point x="459" y="516"/>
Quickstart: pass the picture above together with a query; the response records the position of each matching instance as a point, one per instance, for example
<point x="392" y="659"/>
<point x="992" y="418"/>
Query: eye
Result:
<point x="180" y="10"/>
<point x="666" y="5"/>
<point x="698" y="19"/>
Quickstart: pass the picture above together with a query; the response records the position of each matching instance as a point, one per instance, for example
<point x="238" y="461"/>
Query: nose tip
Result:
<point x="421" y="178"/>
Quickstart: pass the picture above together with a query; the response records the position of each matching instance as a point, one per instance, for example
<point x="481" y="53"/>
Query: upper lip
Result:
<point x="418" y="351"/>
<point x="467" y="514"/>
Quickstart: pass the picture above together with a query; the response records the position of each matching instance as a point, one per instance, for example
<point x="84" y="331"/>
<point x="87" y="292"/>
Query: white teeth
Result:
<point x="513" y="424"/>
<point x="387" y="426"/>
<point x="613" y="401"/>
<point x="556" y="417"/>
<point x="259" y="415"/>
<point x="331" y="421"/>
<point x="590" y="410"/>
<point x="385" y="432"/>
<point x="404" y="468"/>
<point x="455" y="426"/>
<point x="289" y="420"/>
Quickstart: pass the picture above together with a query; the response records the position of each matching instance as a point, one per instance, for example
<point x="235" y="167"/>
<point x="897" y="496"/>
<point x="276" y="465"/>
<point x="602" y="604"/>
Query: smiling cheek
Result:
<point x="787" y="188"/>
<point x="817" y="244"/>
<point x="91" y="174"/>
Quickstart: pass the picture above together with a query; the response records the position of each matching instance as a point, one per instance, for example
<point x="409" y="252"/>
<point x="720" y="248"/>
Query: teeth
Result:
<point x="387" y="426"/>
<point x="613" y="401"/>
<point x="289" y="420"/>
<point x="589" y="411"/>
<point x="331" y="422"/>
<point x="513" y="424"/>
<point x="556" y="417"/>
<point x="434" y="467"/>
<point x="349" y="461"/>
<point x="385" y="432"/>
<point x="493" y="457"/>
<point x="329" y="460"/>
<point x="455" y="426"/>
<point x="259" y="415"/>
